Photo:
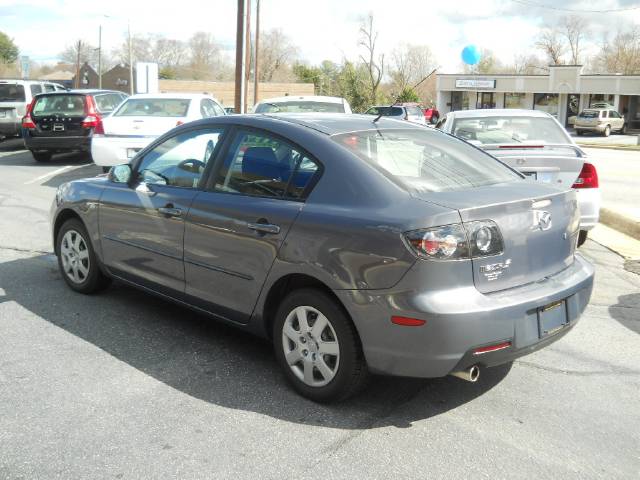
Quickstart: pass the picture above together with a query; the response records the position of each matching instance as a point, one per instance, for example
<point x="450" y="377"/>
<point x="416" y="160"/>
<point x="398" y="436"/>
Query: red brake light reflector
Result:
<point x="492" y="348"/>
<point x="588" y="177"/>
<point x="27" y="121"/>
<point x="407" y="321"/>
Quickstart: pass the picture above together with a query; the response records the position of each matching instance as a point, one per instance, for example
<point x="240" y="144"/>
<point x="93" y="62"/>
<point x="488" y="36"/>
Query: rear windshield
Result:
<point x="589" y="114"/>
<point x="67" y="105"/>
<point x="385" y="111"/>
<point x="300" y="107"/>
<point x="509" y="130"/>
<point x="11" y="92"/>
<point x="154" y="107"/>
<point x="426" y="160"/>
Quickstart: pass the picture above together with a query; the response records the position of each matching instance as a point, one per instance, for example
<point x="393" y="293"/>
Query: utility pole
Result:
<point x="130" y="60"/>
<point x="100" y="57"/>
<point x="239" y="77"/>
<point x="247" y="61"/>
<point x="256" y="54"/>
<point x="77" y="82"/>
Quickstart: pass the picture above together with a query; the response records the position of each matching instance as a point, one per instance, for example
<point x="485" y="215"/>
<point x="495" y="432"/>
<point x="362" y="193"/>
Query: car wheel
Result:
<point x="582" y="237"/>
<point x="623" y="130"/>
<point x="607" y="131"/>
<point x="318" y="347"/>
<point x="434" y="119"/>
<point x="77" y="260"/>
<point x="41" y="156"/>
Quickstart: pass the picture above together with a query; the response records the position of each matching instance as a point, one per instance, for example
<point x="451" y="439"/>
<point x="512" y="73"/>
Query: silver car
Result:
<point x="535" y="144"/>
<point x="355" y="247"/>
<point x="599" y="120"/>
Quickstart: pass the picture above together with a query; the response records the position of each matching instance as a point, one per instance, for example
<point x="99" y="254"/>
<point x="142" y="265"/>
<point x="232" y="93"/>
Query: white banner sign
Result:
<point x="474" y="83"/>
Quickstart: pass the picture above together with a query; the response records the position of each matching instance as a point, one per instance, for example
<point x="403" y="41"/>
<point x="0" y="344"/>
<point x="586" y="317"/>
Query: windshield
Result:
<point x="385" y="111"/>
<point x="11" y="92"/>
<point x="427" y="160"/>
<point x="509" y="129"/>
<point x="154" y="107"/>
<point x="299" y="107"/>
<point x="64" y="105"/>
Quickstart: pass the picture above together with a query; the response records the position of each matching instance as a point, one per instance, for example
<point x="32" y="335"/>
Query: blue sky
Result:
<point x="326" y="29"/>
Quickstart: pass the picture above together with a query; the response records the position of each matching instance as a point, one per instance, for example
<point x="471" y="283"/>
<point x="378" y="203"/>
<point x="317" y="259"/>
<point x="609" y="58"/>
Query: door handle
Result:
<point x="170" y="211"/>
<point x="264" y="227"/>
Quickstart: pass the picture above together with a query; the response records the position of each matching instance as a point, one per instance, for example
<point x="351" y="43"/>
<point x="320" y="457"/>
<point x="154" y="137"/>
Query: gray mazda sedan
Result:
<point x="356" y="246"/>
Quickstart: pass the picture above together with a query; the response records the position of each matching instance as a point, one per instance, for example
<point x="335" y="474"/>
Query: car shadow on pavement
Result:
<point x="24" y="159"/>
<point x="626" y="311"/>
<point x="214" y="362"/>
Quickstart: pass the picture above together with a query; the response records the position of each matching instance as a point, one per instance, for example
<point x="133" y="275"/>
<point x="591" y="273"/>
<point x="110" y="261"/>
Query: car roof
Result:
<point x="81" y="91"/>
<point x="336" y="123"/>
<point x="185" y="96"/>
<point x="498" y="112"/>
<point x="304" y="98"/>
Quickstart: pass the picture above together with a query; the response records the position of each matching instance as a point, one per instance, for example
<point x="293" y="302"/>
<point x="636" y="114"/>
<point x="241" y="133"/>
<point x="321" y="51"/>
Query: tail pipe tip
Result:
<point x="470" y="374"/>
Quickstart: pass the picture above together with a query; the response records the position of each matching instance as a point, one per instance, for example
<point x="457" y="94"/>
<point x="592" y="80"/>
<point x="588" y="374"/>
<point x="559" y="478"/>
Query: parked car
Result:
<point x="535" y="144"/>
<point x="603" y="121"/>
<point x="431" y="115"/>
<point x="144" y="117"/>
<point x="66" y="121"/>
<point x="303" y="104"/>
<point x="355" y="247"/>
<point x="229" y="110"/>
<point x="15" y="96"/>
<point x="411" y="113"/>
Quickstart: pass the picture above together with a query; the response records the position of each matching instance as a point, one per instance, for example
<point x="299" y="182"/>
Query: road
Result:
<point x="123" y="385"/>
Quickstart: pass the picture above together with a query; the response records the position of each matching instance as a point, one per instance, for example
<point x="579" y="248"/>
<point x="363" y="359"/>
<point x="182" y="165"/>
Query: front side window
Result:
<point x="206" y="108"/>
<point x="427" y="160"/>
<point x="154" y="107"/>
<point x="508" y="130"/>
<point x="263" y="165"/>
<point x="180" y="161"/>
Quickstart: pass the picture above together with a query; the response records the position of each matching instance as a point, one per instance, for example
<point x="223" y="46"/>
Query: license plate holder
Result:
<point x="552" y="318"/>
<point x="131" y="152"/>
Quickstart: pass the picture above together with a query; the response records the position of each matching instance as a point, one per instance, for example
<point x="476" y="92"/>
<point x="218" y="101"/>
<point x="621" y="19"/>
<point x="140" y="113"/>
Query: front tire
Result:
<point x="582" y="237"/>
<point x="317" y="347"/>
<point x="77" y="260"/>
<point x="41" y="156"/>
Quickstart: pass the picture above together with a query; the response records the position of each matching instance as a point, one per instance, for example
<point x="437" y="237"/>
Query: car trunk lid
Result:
<point x="139" y="126"/>
<point x="539" y="230"/>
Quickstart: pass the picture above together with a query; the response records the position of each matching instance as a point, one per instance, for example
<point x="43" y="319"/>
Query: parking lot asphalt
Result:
<point x="124" y="385"/>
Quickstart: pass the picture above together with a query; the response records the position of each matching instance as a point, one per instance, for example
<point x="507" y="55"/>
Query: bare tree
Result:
<point x="410" y="64"/>
<point x="574" y="30"/>
<point x="526" y="65"/>
<point x="168" y="52"/>
<point x="551" y="43"/>
<point x="620" y="55"/>
<point x="88" y="53"/>
<point x="373" y="62"/>
<point x="277" y="54"/>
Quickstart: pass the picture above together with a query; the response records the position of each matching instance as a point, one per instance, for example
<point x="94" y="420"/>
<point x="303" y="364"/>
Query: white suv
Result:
<point x="603" y="121"/>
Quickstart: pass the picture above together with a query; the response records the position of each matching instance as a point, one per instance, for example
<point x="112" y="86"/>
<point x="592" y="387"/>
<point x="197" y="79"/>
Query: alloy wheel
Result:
<point x="75" y="257"/>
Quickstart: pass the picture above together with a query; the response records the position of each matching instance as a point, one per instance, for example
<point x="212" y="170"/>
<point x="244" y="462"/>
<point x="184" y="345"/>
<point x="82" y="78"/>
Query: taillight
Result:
<point x="588" y="177"/>
<point x="453" y="242"/>
<point x="93" y="118"/>
<point x="27" y="121"/>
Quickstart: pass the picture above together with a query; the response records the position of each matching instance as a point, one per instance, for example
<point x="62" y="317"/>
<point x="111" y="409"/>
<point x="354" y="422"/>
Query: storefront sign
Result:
<point x="474" y="83"/>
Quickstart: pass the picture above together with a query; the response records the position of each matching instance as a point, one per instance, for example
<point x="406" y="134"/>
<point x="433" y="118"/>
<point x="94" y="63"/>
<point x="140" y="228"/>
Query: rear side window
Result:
<point x="427" y="160"/>
<point x="11" y="92"/>
<point x="35" y="89"/>
<point x="48" y="87"/>
<point x="262" y="165"/>
<point x="63" y="105"/>
<point x="107" y="102"/>
<point x="415" y="111"/>
<point x="154" y="107"/>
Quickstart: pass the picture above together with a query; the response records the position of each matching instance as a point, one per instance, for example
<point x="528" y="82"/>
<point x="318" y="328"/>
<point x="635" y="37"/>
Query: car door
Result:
<point x="616" y="120"/>
<point x="234" y="229"/>
<point x="142" y="223"/>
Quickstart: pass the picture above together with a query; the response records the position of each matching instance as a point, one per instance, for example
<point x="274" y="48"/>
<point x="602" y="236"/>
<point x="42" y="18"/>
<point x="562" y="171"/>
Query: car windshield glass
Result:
<point x="509" y="129"/>
<point x="154" y="107"/>
<point x="385" y="111"/>
<point x="299" y="107"/>
<point x="11" y="92"/>
<point x="427" y="160"/>
<point x="66" y="105"/>
<point x="589" y="114"/>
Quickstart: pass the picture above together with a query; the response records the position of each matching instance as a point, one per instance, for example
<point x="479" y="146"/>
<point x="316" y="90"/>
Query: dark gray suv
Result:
<point x="355" y="246"/>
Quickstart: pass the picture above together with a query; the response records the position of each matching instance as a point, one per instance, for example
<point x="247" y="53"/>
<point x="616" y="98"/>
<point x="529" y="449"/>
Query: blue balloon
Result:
<point x="471" y="55"/>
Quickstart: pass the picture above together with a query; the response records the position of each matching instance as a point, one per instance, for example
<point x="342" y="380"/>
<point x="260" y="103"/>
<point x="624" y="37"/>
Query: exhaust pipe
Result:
<point x="470" y="374"/>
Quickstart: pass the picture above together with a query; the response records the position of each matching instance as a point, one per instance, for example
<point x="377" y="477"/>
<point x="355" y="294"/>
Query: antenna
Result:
<point x="414" y="87"/>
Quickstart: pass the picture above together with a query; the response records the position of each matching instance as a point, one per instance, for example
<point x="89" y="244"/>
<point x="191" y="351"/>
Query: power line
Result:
<point x="572" y="10"/>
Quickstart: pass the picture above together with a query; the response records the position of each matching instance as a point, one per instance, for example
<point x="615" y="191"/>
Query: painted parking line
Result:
<point x="13" y="152"/>
<point x="66" y="168"/>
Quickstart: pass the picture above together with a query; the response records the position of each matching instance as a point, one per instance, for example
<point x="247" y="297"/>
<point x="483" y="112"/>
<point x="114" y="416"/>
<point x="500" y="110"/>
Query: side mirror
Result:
<point x="120" y="173"/>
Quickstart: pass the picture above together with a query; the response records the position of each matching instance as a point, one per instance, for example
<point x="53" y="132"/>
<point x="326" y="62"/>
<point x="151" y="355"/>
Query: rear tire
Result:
<point x="607" y="131"/>
<point x="323" y="363"/>
<point x="77" y="260"/>
<point x="579" y="133"/>
<point x="582" y="237"/>
<point x="623" y="130"/>
<point x="41" y="156"/>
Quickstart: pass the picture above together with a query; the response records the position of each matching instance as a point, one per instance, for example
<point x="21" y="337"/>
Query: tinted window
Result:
<point x="508" y="129"/>
<point x="385" y="111"/>
<point x="427" y="160"/>
<point x="299" y="107"/>
<point x="49" y="87"/>
<point x="259" y="164"/>
<point x="415" y="111"/>
<point x="63" y="105"/>
<point x="35" y="89"/>
<point x="180" y="160"/>
<point x="11" y="92"/>
<point x="589" y="114"/>
<point x="154" y="107"/>
<point x="206" y="108"/>
<point x="614" y="114"/>
<point x="107" y="102"/>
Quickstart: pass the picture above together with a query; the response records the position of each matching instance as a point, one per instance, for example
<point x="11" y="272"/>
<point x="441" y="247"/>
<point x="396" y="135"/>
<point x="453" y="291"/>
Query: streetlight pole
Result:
<point x="239" y="76"/>
<point x="256" y="54"/>
<point x="100" y="57"/>
<point x="247" y="61"/>
<point x="130" y="59"/>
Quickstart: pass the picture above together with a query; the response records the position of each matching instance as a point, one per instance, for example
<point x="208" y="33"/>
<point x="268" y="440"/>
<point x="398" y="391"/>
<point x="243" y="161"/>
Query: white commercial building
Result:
<point x="564" y="92"/>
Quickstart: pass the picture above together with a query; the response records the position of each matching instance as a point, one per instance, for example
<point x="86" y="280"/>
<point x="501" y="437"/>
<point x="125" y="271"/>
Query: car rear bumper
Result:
<point x="590" y="128"/>
<point x="589" y="205"/>
<point x="108" y="151"/>
<point x="460" y="320"/>
<point x="58" y="144"/>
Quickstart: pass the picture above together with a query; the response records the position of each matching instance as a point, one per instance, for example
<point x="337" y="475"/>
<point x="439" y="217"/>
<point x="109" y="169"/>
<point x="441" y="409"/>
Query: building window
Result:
<point x="485" y="100"/>
<point x="601" y="98"/>
<point x="547" y="102"/>
<point x="462" y="100"/>
<point x="514" y="100"/>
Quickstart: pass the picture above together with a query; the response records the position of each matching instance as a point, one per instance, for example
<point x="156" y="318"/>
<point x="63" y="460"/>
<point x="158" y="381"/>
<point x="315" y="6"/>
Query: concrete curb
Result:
<point x="620" y="223"/>
<point x="626" y="148"/>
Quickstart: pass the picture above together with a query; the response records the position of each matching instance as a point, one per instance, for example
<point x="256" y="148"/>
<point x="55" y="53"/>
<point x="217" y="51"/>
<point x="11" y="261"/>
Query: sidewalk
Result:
<point x="614" y="141"/>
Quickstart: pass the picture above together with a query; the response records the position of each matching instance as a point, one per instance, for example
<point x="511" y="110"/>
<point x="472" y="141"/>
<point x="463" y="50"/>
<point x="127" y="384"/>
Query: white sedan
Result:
<point x="142" y="118"/>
